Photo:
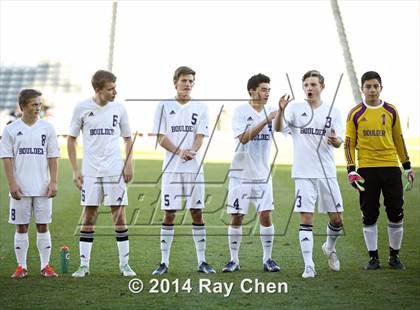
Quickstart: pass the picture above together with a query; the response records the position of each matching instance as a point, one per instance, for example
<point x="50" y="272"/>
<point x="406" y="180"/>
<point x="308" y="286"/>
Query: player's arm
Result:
<point x="402" y="153"/>
<point x="167" y="144"/>
<point x="128" y="164"/>
<point x="354" y="178"/>
<point x="278" y="121"/>
<point x="72" y="152"/>
<point x="52" y="185"/>
<point x="250" y="134"/>
<point x="14" y="188"/>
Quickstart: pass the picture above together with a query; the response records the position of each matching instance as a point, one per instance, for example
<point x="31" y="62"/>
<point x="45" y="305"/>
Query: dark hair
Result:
<point x="183" y="70"/>
<point x="101" y="77"/>
<point x="371" y="75"/>
<point x="26" y="94"/>
<point x="256" y="80"/>
<point x="313" y="73"/>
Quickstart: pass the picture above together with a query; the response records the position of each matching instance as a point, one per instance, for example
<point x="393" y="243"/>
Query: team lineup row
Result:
<point x="372" y="131"/>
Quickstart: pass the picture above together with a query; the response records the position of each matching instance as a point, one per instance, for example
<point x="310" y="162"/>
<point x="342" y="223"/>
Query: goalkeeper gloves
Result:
<point x="409" y="175"/>
<point x="356" y="181"/>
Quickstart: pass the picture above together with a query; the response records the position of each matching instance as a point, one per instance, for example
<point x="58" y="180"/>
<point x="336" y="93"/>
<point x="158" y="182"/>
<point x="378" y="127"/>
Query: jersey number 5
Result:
<point x="194" y="118"/>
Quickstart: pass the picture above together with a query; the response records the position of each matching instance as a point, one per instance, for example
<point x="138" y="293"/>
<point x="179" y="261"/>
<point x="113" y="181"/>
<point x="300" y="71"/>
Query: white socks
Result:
<point x="333" y="233"/>
<point x="370" y="232"/>
<point x="199" y="236"/>
<point x="166" y="238"/>
<point x="267" y="237"/>
<point x="395" y="234"/>
<point x="306" y="241"/>
<point x="43" y="242"/>
<point x="234" y="239"/>
<point x="85" y="246"/>
<point x="21" y="248"/>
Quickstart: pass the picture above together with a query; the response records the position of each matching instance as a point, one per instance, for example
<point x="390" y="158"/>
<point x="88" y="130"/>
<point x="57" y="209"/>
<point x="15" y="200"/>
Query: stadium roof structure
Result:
<point x="46" y="76"/>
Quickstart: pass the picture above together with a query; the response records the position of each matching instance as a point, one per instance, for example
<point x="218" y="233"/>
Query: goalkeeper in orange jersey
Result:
<point x="373" y="129"/>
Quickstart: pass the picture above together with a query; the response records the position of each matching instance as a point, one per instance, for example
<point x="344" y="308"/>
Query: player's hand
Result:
<point x="271" y="116"/>
<point x="52" y="189"/>
<point x="284" y="101"/>
<point x="409" y="183"/>
<point x="15" y="191"/>
<point x="189" y="154"/>
<point x="356" y="181"/>
<point x="333" y="139"/>
<point x="78" y="179"/>
<point x="128" y="172"/>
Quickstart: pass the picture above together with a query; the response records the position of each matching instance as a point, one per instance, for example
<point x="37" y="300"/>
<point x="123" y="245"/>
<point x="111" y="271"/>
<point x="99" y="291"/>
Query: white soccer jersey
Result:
<point x="180" y="124"/>
<point x="101" y="128"/>
<point x="308" y="126"/>
<point x="30" y="147"/>
<point x="251" y="160"/>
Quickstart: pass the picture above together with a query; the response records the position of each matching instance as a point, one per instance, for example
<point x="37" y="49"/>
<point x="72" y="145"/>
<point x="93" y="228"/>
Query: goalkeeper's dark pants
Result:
<point x="387" y="180"/>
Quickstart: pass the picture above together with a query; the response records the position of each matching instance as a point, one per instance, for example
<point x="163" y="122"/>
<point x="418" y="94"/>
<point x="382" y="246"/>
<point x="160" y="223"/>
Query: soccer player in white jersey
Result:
<point x="316" y="128"/>
<point x="250" y="171"/>
<point x="29" y="149"/>
<point x="181" y="125"/>
<point x="104" y="174"/>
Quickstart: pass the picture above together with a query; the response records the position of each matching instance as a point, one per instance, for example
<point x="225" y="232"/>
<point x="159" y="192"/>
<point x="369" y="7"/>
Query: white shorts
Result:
<point x="242" y="192"/>
<point x="179" y="186"/>
<point x="325" y="191"/>
<point x="111" y="191"/>
<point x="20" y="211"/>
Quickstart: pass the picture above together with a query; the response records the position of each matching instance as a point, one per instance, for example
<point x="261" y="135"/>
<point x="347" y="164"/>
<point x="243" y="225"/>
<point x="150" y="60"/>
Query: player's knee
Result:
<point x="169" y="217"/>
<point x="22" y="229"/>
<point x="42" y="228"/>
<point x="395" y="216"/>
<point x="265" y="218"/>
<point x="236" y="220"/>
<point x="306" y="218"/>
<point x="370" y="219"/>
<point x="336" y="220"/>
<point x="197" y="216"/>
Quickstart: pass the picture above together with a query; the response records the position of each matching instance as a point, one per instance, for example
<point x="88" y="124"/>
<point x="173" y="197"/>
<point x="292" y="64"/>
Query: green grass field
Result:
<point x="352" y="287"/>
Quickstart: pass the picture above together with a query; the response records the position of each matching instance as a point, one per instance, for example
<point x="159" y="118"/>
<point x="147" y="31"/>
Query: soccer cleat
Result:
<point x="309" y="272"/>
<point x="206" y="268"/>
<point x="231" y="267"/>
<point x="48" y="272"/>
<point x="395" y="263"/>
<point x="160" y="270"/>
<point x="333" y="260"/>
<point x="126" y="271"/>
<point x="373" y="264"/>
<point x="19" y="273"/>
<point x="271" y="266"/>
<point x="356" y="181"/>
<point x="81" y="272"/>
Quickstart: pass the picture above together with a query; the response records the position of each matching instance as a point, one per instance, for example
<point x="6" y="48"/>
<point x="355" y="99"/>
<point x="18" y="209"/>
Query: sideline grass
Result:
<point x="104" y="288"/>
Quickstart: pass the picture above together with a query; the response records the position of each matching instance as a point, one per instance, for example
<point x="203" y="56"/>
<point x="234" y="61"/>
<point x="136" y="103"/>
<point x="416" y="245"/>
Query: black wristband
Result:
<point x="407" y="165"/>
<point x="351" y="168"/>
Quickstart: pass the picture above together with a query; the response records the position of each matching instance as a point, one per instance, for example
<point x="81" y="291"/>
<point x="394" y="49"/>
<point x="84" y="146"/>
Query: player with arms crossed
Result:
<point x="316" y="128"/>
<point x="104" y="174"/>
<point x="180" y="126"/>
<point x="374" y="130"/>
<point x="29" y="149"/>
<point x="250" y="171"/>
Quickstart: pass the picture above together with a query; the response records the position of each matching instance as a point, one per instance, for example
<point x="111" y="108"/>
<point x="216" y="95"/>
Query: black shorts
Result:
<point x="387" y="180"/>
